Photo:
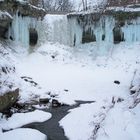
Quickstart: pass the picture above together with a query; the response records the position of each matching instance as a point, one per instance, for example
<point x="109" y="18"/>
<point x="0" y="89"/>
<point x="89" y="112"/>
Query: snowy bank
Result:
<point x="19" y="119"/>
<point x="23" y="134"/>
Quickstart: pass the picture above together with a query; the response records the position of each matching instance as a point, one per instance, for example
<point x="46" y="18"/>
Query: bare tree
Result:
<point x="38" y="3"/>
<point x="58" y="5"/>
<point x="84" y="2"/>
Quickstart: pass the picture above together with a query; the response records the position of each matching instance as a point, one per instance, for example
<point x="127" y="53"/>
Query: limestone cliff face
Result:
<point x="25" y="9"/>
<point x="5" y="20"/>
<point x="10" y="10"/>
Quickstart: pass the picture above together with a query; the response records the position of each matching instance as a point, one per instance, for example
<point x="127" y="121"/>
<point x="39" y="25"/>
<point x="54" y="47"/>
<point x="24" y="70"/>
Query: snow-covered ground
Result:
<point x="23" y="134"/>
<point x="58" y="67"/>
<point x="35" y="116"/>
<point x="102" y="73"/>
<point x="89" y="76"/>
<point x="19" y="119"/>
<point x="10" y="56"/>
<point x="81" y="73"/>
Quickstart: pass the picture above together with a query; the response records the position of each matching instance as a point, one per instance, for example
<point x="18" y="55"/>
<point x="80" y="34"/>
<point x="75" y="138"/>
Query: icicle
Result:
<point x="19" y="30"/>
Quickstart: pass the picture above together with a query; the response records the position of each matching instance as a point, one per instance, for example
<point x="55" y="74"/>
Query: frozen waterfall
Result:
<point x="76" y="30"/>
<point x="57" y="29"/>
<point x="19" y="30"/>
<point x="73" y="30"/>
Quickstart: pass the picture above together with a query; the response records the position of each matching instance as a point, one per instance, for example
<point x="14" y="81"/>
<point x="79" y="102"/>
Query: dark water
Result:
<point x="51" y="127"/>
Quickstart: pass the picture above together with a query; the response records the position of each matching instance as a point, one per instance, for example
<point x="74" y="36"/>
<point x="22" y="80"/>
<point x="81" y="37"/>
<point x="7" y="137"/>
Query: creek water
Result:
<point x="51" y="127"/>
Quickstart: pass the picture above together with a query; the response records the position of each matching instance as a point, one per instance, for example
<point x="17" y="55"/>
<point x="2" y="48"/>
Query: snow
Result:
<point x="6" y="61"/>
<point x="121" y="123"/>
<point x="78" y="78"/>
<point x="116" y="123"/>
<point x="5" y="15"/>
<point x="88" y="76"/>
<point x="23" y="134"/>
<point x="88" y="72"/>
<point x="18" y="119"/>
<point x="71" y="122"/>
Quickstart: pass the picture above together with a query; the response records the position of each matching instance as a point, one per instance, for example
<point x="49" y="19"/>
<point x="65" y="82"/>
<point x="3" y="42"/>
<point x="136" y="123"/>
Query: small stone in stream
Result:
<point x="25" y="77"/>
<point x="4" y="70"/>
<point x="26" y="80"/>
<point x="52" y="96"/>
<point x="49" y="93"/>
<point x="14" y="69"/>
<point x="44" y="100"/>
<point x="53" y="56"/>
<point x="113" y="100"/>
<point x="55" y="103"/>
<point x="7" y="113"/>
<point x="132" y="91"/>
<point x="117" y="82"/>
<point x="66" y="90"/>
<point x="10" y="86"/>
<point x="35" y="84"/>
<point x="120" y="100"/>
<point x="103" y="107"/>
<point x="19" y="106"/>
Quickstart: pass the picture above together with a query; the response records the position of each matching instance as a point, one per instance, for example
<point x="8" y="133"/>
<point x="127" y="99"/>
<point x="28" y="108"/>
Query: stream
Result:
<point x="51" y="127"/>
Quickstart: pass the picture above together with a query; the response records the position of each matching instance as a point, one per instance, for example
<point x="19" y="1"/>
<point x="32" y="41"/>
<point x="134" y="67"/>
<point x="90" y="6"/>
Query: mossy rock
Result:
<point x="8" y="99"/>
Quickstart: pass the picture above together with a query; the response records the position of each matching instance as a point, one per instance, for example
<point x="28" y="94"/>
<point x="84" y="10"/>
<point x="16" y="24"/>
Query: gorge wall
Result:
<point x="100" y="27"/>
<point x="114" y="27"/>
<point x="19" y="22"/>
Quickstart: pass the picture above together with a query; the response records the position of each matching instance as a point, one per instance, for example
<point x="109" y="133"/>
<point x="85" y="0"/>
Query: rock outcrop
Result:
<point x="10" y="8"/>
<point x="8" y="99"/>
<point x="23" y="8"/>
<point x="5" y="20"/>
<point x="122" y="2"/>
<point x="110" y="25"/>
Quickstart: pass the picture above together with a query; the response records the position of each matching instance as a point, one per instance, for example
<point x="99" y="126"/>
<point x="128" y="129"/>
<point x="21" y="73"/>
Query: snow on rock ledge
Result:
<point x="20" y="21"/>
<point x="25" y="9"/>
<point x="5" y="15"/>
<point x="5" y="19"/>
